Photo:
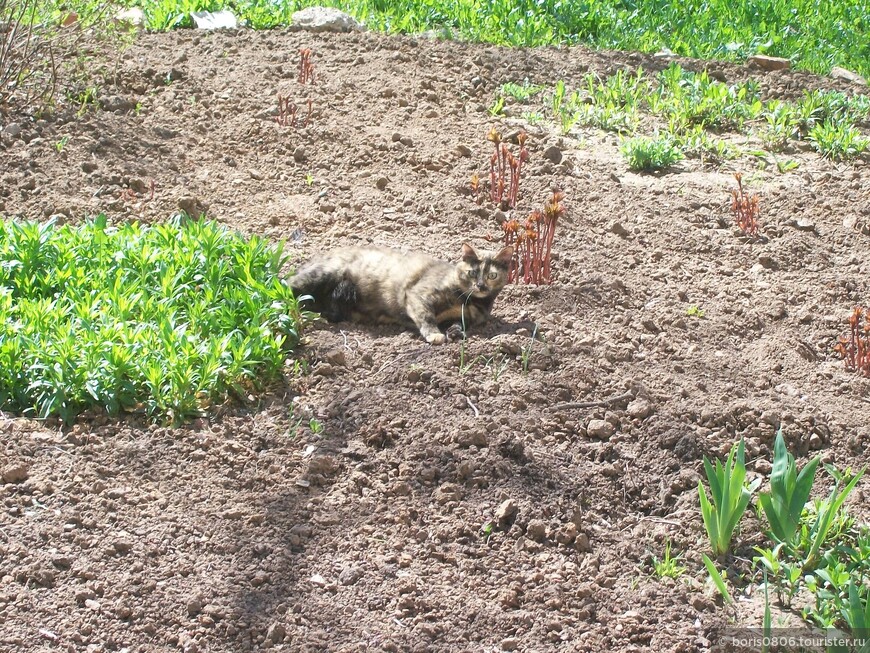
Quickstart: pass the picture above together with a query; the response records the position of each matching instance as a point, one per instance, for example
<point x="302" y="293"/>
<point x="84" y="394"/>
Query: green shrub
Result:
<point x="165" y="319"/>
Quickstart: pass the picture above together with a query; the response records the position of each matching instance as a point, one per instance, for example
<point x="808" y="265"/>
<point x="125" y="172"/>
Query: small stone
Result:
<point x="299" y="154"/>
<point x="767" y="261"/>
<point x="553" y="154"/>
<point x="768" y="63"/>
<point x="510" y="644"/>
<point x="88" y="166"/>
<point x="381" y="182"/>
<point x="600" y="429"/>
<point x="13" y="129"/>
<point x="15" y="473"/>
<point x="91" y="604"/>
<point x="349" y="576"/>
<point x="276" y="633"/>
<point x="463" y="150"/>
<point x="639" y="409"/>
<point x="582" y="544"/>
<point x="255" y="174"/>
<point x="763" y="466"/>
<point x="336" y="357"/>
<point x="506" y="512"/>
<point x="617" y="228"/>
<point x="194" y="607"/>
<point x="816" y="442"/>
<point x="804" y="224"/>
<point x="318" y="580"/>
<point x="848" y="75"/>
<point x="536" y="530"/>
<point x="567" y="534"/>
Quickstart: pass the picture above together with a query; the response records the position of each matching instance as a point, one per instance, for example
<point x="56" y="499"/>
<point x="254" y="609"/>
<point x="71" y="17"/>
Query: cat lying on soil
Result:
<point x="377" y="284"/>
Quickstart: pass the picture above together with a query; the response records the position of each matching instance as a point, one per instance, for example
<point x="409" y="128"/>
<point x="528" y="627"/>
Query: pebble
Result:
<point x="299" y="154"/>
<point x="15" y="473"/>
<point x="506" y="511"/>
<point x="768" y="63"/>
<point x="381" y="182"/>
<point x="617" y="228"/>
<point x="639" y="409"/>
<point x="510" y="644"/>
<point x="600" y="429"/>
<point x="536" y="530"/>
<point x="350" y="576"/>
<point x="553" y="154"/>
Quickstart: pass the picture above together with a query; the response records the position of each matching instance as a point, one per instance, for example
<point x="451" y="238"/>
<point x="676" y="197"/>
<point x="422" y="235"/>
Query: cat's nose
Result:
<point x="481" y="285"/>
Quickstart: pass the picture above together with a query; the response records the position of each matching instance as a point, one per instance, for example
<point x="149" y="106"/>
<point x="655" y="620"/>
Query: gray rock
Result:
<point x="536" y="530"/>
<point x="214" y="19"/>
<point x="617" y="228"/>
<point x="299" y="154"/>
<point x="13" y="129"/>
<point x="848" y="75"/>
<point x="276" y="633"/>
<point x="349" y="576"/>
<point x="600" y="429"/>
<point x="553" y="154"/>
<point x="506" y="511"/>
<point x="324" y="19"/>
<point x="768" y="63"/>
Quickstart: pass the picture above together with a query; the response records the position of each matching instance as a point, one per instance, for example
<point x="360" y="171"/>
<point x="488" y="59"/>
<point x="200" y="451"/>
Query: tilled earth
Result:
<point x="502" y="494"/>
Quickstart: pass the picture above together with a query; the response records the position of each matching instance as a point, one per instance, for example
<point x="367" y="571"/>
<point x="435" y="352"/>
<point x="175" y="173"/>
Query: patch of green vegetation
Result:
<point x="668" y="566"/>
<point x="647" y="154"/>
<point x="165" y="320"/>
<point x="814" y="34"/>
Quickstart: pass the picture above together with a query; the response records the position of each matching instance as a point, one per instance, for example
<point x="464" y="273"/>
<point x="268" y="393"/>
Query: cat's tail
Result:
<point x="326" y="290"/>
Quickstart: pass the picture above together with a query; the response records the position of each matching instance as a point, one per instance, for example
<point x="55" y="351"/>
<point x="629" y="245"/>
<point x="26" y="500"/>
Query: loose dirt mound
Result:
<point x="463" y="497"/>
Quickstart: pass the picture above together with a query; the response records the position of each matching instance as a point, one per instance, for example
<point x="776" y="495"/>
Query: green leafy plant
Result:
<point x="520" y="92"/>
<point x="718" y="580"/>
<point x="497" y="107"/>
<point x="729" y="495"/>
<point x="827" y="513"/>
<point x="837" y="141"/>
<point x="789" y="492"/>
<point x="165" y="320"/>
<point x="694" y="311"/>
<point x="647" y="154"/>
<point x="669" y="565"/>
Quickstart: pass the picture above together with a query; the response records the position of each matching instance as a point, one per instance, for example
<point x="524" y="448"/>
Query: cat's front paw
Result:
<point x="435" y="338"/>
<point x="455" y="333"/>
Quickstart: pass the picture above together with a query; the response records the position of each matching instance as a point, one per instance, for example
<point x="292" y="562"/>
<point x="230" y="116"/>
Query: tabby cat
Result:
<point x="377" y="284"/>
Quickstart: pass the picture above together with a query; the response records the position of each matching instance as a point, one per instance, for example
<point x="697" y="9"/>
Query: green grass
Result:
<point x="815" y="34"/>
<point x="165" y="320"/>
<point x="650" y="154"/>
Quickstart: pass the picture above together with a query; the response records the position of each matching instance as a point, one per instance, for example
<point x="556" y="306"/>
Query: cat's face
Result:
<point x="486" y="274"/>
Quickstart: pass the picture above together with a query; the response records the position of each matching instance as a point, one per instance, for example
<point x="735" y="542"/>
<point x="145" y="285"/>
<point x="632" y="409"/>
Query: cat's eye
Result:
<point x="471" y="274"/>
<point x="493" y="275"/>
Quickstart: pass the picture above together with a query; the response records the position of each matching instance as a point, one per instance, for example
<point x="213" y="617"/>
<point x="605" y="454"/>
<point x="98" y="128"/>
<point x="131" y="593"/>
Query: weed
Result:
<point x="520" y="92"/>
<point x="309" y="179"/>
<point x="526" y="353"/>
<point x="694" y="311"/>
<point x="60" y="145"/>
<point x="648" y="154"/>
<point x="837" y="141"/>
<point x="497" y="107"/>
<point x="315" y="426"/>
<point x="669" y="565"/>
<point x="855" y="349"/>
<point x="745" y="209"/>
<point x="729" y="498"/>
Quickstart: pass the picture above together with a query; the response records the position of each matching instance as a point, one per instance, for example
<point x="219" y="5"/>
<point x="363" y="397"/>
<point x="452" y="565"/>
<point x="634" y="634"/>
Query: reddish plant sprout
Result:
<point x="308" y="115"/>
<point x="306" y="68"/>
<point x="286" y="112"/>
<point x="855" y="349"/>
<point x="745" y="208"/>
<point x="502" y="161"/>
<point x="533" y="242"/>
<point x="474" y="185"/>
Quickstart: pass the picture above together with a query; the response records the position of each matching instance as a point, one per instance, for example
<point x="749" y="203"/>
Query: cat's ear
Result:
<point x="468" y="253"/>
<point x="504" y="256"/>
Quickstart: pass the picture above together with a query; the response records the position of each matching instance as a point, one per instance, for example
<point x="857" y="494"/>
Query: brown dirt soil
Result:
<point x="249" y="530"/>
